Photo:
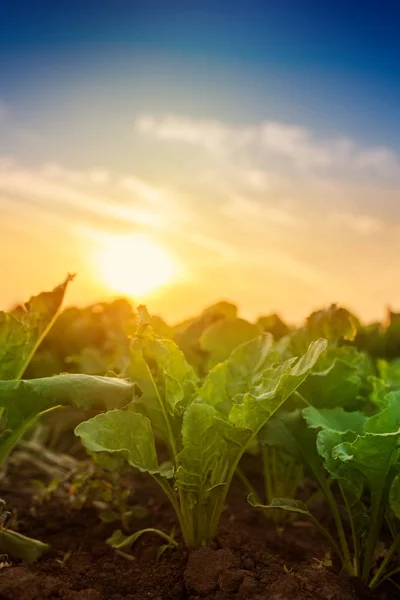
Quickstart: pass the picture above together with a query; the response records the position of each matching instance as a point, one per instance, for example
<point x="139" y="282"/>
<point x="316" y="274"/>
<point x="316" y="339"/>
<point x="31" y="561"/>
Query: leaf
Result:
<point x="389" y="372"/>
<point x="202" y="460"/>
<point x="172" y="370"/>
<point x="220" y="338"/>
<point x="289" y="431"/>
<point x="24" y="400"/>
<point x="22" y="330"/>
<point x="336" y="419"/>
<point x="187" y="334"/>
<point x="118" y="540"/>
<point x="277" y="384"/>
<point x="373" y="455"/>
<point x="32" y="396"/>
<point x="299" y="508"/>
<point x="123" y="433"/>
<point x="19" y="546"/>
<point x="168" y="382"/>
<point x="388" y="419"/>
<point x="243" y="370"/>
<point x="287" y="504"/>
<point x="274" y="325"/>
<point x="341" y="373"/>
<point x="334" y="324"/>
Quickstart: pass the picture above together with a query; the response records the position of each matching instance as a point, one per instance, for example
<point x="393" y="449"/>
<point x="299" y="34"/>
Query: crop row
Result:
<point x="308" y="401"/>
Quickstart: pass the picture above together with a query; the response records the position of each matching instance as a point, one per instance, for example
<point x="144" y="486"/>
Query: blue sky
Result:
<point x="223" y="110"/>
<point x="321" y="63"/>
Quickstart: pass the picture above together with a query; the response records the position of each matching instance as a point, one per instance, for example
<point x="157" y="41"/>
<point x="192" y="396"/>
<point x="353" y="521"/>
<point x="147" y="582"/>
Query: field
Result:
<point x="217" y="459"/>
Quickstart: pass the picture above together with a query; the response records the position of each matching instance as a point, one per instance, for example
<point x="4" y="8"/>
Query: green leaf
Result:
<point x="388" y="419"/>
<point x="287" y="504"/>
<point x="243" y="370"/>
<point x="298" y="508"/>
<point x="289" y="432"/>
<point x="336" y="419"/>
<point x="22" y="401"/>
<point x="202" y="460"/>
<point x="334" y="324"/>
<point x="19" y="546"/>
<point x="341" y="373"/>
<point x="274" y="325"/>
<point x="389" y="372"/>
<point x="168" y="382"/>
<point x="276" y="385"/>
<point x="31" y="396"/>
<point x="373" y="455"/>
<point x="22" y="330"/>
<point x="123" y="433"/>
<point x="118" y="540"/>
<point x="187" y="334"/>
<point x="222" y="337"/>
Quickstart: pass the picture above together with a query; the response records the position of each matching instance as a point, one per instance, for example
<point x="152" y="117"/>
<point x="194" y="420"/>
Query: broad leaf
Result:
<point x="341" y="377"/>
<point x="221" y="338"/>
<point x="168" y="382"/>
<point x="22" y="330"/>
<point x="123" y="433"/>
<point x="22" y="401"/>
<point x="336" y="419"/>
<point x="19" y="546"/>
<point x="277" y="383"/>
<point x="202" y="461"/>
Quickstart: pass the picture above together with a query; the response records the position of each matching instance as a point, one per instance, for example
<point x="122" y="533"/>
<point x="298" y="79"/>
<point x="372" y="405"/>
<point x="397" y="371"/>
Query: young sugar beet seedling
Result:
<point x="359" y="454"/>
<point x="206" y="427"/>
<point x="23" y="401"/>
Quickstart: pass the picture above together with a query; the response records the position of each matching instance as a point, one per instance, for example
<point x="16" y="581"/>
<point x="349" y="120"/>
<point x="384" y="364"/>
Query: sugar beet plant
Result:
<point x="361" y="457"/>
<point x="206" y="426"/>
<point x="23" y="401"/>
<point x="353" y="455"/>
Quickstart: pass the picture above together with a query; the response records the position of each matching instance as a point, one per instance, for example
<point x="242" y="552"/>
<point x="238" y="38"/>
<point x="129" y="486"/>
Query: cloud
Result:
<point x="213" y="136"/>
<point x="78" y="196"/>
<point x="297" y="146"/>
<point x="258" y="214"/>
<point x="258" y="211"/>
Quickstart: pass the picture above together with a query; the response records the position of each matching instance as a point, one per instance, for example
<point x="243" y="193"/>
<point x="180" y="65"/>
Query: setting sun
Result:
<point x="134" y="265"/>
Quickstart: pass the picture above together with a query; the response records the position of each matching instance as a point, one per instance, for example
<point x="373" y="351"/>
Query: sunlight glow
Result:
<point x="134" y="265"/>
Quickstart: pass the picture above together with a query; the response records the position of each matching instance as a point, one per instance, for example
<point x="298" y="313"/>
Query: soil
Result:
<point x="251" y="558"/>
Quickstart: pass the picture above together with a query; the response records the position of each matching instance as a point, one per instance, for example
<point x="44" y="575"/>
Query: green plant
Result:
<point x="99" y="483"/>
<point x="282" y="475"/>
<point x="206" y="427"/>
<point x="361" y="456"/>
<point x="23" y="401"/>
<point x="15" y="544"/>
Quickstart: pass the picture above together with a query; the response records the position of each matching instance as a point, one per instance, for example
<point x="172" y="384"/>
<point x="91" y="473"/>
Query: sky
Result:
<point x="254" y="145"/>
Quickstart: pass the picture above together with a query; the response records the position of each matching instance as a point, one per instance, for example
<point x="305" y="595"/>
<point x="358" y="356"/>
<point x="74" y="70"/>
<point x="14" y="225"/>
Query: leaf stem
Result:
<point x="375" y="581"/>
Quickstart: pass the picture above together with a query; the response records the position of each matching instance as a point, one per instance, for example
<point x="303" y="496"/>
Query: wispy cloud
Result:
<point x="253" y="211"/>
<point x="298" y="145"/>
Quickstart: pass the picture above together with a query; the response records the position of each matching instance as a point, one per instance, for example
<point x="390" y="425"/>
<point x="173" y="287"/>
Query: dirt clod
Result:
<point x="205" y="565"/>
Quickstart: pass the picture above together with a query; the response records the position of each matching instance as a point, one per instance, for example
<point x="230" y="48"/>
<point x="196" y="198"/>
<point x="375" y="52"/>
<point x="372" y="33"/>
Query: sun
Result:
<point x="134" y="265"/>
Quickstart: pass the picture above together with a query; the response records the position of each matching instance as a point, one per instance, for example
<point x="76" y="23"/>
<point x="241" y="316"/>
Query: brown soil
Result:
<point x="251" y="559"/>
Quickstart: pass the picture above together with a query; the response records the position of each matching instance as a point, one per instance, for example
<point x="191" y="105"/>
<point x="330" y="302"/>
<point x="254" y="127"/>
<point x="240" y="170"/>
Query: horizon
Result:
<point x="184" y="154"/>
